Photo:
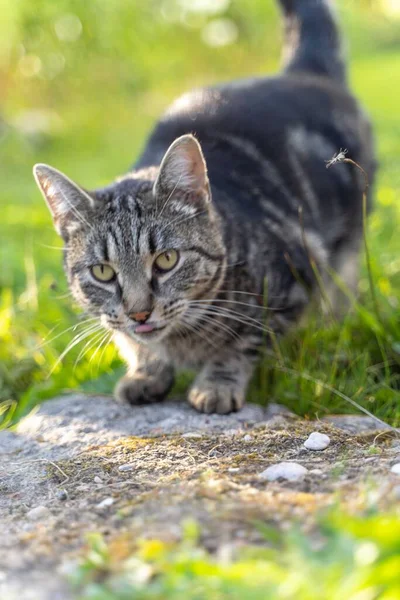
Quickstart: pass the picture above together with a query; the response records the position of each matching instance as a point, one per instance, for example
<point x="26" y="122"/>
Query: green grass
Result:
<point x="345" y="557"/>
<point x="114" y="80"/>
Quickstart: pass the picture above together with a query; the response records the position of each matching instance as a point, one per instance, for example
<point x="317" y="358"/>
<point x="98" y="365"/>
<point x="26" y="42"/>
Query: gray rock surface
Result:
<point x="356" y="423"/>
<point x="83" y="464"/>
<point x="60" y="430"/>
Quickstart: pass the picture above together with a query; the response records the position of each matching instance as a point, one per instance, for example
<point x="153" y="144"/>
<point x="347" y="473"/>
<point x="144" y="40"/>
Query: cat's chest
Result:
<point x="189" y="350"/>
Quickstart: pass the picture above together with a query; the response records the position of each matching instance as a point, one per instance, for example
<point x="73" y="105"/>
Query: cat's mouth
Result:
<point x="139" y="330"/>
<point x="148" y="330"/>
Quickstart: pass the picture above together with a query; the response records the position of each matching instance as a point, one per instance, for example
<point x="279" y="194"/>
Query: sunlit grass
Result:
<point x="342" y="558"/>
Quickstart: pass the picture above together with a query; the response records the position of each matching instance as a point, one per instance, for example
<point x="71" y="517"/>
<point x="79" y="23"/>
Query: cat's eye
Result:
<point x="166" y="261"/>
<point x="103" y="273"/>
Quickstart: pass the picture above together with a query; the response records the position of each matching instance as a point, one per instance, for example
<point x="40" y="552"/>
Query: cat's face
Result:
<point x="141" y="253"/>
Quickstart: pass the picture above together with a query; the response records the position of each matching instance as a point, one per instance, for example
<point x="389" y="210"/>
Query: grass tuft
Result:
<point x="343" y="557"/>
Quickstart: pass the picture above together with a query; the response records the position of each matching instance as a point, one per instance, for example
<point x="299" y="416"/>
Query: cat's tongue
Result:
<point x="144" y="328"/>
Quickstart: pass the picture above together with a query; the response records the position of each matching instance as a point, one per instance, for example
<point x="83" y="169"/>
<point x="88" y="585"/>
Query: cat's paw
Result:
<point x="216" y="398"/>
<point x="144" y="389"/>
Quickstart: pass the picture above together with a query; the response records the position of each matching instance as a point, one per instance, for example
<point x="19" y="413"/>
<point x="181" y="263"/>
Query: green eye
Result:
<point x="103" y="273"/>
<point x="167" y="260"/>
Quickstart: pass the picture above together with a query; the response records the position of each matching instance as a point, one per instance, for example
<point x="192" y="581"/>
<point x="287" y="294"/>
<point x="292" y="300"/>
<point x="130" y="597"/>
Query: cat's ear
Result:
<point x="68" y="203"/>
<point x="183" y="168"/>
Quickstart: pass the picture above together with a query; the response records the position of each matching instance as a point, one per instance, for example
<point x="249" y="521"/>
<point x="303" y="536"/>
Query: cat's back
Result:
<point x="260" y="136"/>
<point x="255" y="107"/>
<point x="270" y="113"/>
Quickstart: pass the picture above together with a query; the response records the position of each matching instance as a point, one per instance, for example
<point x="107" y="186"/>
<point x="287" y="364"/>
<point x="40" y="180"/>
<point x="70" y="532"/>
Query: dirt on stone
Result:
<point x="98" y="466"/>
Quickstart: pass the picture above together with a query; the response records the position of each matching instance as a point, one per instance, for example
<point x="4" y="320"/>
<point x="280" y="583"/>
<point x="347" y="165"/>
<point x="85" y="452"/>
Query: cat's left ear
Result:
<point x="69" y="204"/>
<point x="184" y="169"/>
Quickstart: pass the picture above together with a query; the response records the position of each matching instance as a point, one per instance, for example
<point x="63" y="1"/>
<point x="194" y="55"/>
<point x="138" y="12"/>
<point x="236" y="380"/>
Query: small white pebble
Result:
<point x="126" y="467"/>
<point x="395" y="469"/>
<point x="285" y="470"/>
<point x="98" y="479"/>
<point x="316" y="472"/>
<point x="233" y="469"/>
<point x="105" y="503"/>
<point x="38" y="513"/>
<point x="192" y="435"/>
<point x="317" y="441"/>
<point x="247" y="438"/>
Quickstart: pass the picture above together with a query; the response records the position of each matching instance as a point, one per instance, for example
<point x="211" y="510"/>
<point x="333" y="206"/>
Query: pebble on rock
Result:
<point x="126" y="467"/>
<point x="395" y="469"/>
<point x="192" y="435"/>
<point x="98" y="479"/>
<point x="105" y="503"/>
<point x="317" y="441"/>
<point x="62" y="495"/>
<point x="285" y="470"/>
<point x="316" y="472"/>
<point x="38" y="513"/>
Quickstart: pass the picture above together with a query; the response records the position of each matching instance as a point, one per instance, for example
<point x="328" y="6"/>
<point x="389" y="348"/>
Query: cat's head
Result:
<point x="142" y="252"/>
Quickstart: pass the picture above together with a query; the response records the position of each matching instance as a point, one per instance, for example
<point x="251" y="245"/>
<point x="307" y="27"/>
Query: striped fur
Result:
<point x="233" y="178"/>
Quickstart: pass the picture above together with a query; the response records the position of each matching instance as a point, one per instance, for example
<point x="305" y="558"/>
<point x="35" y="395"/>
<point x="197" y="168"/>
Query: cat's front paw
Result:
<point x="216" y="398"/>
<point x="142" y="389"/>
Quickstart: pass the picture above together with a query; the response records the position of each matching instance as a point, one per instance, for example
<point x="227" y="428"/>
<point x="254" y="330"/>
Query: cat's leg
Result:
<point x="221" y="385"/>
<point x="149" y="378"/>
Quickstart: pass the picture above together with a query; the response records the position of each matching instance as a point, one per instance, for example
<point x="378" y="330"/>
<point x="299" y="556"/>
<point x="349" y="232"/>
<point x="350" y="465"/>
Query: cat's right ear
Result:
<point x="184" y="169"/>
<point x="69" y="204"/>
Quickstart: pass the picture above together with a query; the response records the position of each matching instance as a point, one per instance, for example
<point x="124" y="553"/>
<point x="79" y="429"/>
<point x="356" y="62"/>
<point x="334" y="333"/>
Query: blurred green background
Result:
<point x="81" y="84"/>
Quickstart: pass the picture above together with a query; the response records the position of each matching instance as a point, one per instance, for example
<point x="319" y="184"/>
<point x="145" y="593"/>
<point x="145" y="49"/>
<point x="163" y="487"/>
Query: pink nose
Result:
<point x="140" y="317"/>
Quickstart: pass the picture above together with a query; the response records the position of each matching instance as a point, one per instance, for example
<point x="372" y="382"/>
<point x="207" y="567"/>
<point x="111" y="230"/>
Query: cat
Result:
<point x="214" y="239"/>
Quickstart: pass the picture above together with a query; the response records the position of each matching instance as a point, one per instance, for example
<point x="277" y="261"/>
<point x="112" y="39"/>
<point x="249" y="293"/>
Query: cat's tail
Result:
<point x="312" y="41"/>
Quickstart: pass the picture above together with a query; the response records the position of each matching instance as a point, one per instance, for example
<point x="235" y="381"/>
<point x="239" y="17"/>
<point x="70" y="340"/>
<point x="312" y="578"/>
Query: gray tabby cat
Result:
<point x="230" y="196"/>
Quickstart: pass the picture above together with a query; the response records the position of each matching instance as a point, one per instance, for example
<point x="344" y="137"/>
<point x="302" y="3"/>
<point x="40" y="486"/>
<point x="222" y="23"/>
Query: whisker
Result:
<point x="258" y="306"/>
<point x="62" y="296"/>
<point x="82" y="334"/>
<point x="248" y="293"/>
<point x="102" y="340"/>
<point x="77" y="339"/>
<point x="195" y="330"/>
<point x="107" y="343"/>
<point x="224" y="310"/>
<point x="178" y="329"/>
<point x="228" y="314"/>
<point x="200" y="316"/>
<point x="87" y="347"/>
<point x="73" y="327"/>
<point x="51" y="247"/>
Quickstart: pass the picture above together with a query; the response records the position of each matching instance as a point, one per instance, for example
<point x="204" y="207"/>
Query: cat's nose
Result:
<point x="140" y="317"/>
